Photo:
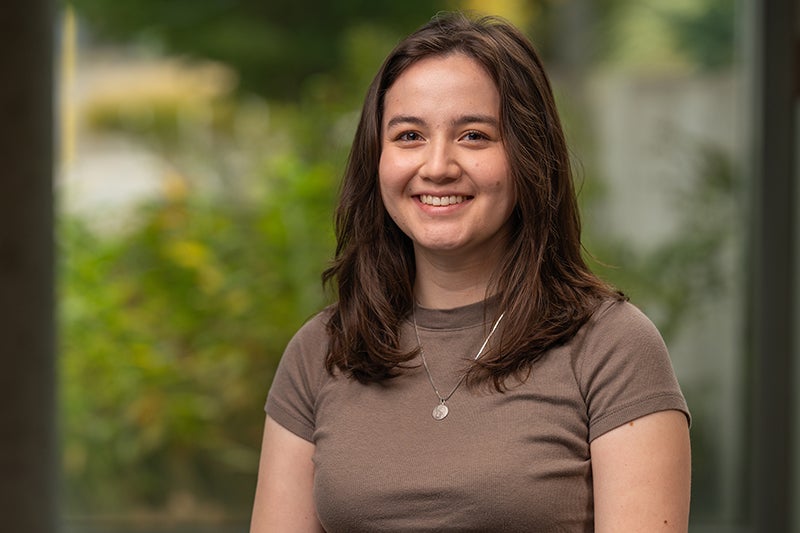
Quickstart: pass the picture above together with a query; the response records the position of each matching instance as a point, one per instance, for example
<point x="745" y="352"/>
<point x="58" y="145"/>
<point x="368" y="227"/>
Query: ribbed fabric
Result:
<point x="512" y="461"/>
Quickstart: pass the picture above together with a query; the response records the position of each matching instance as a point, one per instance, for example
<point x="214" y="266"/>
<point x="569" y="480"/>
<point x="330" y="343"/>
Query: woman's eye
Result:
<point x="474" y="136"/>
<point x="409" y="136"/>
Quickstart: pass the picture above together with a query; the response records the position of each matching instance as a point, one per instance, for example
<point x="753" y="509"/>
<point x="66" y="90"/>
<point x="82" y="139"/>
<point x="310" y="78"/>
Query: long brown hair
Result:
<point x="543" y="283"/>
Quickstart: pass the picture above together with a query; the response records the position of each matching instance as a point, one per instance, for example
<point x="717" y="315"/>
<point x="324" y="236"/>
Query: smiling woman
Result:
<point x="474" y="374"/>
<point x="444" y="175"/>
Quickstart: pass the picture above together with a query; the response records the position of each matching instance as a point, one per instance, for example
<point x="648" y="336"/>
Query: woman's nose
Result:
<point x="440" y="163"/>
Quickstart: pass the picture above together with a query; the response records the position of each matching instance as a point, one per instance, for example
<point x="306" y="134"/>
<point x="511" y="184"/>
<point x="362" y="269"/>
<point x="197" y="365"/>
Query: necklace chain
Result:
<point x="441" y="410"/>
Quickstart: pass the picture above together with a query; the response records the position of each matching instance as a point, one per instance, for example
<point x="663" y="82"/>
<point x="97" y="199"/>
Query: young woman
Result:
<point x="474" y="375"/>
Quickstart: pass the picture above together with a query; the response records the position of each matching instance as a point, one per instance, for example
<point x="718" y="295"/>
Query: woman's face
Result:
<point x="444" y="174"/>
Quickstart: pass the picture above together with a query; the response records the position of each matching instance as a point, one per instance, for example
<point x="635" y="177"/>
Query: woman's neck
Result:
<point x="442" y="283"/>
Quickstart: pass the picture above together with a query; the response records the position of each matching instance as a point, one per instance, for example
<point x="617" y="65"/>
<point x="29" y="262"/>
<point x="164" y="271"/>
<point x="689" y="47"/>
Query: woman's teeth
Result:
<point x="428" y="199"/>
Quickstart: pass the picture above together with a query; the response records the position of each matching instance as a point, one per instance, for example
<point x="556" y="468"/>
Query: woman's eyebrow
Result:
<point x="475" y="119"/>
<point x="460" y="121"/>
<point x="404" y="119"/>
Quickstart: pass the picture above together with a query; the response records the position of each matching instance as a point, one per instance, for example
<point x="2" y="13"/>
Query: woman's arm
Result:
<point x="284" y="500"/>
<point x="642" y="475"/>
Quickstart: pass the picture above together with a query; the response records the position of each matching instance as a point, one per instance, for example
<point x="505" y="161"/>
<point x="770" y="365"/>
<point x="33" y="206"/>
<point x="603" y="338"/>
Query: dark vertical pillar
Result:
<point x="774" y="64"/>
<point x="28" y="490"/>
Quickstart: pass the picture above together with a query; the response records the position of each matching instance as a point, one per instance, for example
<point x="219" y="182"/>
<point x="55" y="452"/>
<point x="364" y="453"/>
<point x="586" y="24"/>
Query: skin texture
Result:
<point x="642" y="475"/>
<point x="284" y="495"/>
<point x="441" y="137"/>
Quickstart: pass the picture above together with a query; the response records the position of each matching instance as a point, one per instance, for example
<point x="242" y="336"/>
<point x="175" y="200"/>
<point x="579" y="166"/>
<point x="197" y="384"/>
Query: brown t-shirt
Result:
<point x="512" y="461"/>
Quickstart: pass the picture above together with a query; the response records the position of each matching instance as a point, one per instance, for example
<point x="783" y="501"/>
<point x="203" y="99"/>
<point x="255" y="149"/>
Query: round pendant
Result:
<point x="440" y="411"/>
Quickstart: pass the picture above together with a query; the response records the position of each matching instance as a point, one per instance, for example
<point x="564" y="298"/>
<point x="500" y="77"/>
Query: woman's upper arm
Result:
<point x="284" y="499"/>
<point x="642" y="475"/>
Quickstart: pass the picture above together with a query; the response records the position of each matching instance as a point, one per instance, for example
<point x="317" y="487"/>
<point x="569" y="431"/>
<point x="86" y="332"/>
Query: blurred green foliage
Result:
<point x="171" y="334"/>
<point x="699" y="262"/>
<point x="708" y="34"/>
<point x="173" y="322"/>
<point x="274" y="45"/>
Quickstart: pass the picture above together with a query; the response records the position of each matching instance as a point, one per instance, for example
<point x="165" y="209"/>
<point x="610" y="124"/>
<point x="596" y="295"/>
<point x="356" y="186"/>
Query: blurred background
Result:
<point x="199" y="150"/>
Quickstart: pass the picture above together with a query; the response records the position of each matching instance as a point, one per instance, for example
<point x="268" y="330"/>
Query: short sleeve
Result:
<point x="625" y="371"/>
<point x="298" y="379"/>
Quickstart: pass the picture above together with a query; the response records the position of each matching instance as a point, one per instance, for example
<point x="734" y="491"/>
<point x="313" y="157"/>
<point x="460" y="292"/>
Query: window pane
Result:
<point x="201" y="150"/>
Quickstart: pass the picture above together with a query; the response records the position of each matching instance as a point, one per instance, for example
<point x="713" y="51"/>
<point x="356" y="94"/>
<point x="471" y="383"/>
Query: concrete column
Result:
<point x="774" y="67"/>
<point x="28" y="444"/>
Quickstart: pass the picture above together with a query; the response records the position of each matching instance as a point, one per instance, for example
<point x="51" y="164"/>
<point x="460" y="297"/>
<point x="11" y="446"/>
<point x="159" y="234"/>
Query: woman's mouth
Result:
<point x="429" y="199"/>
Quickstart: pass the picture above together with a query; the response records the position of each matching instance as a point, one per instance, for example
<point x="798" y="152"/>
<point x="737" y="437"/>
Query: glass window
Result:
<point x="201" y="147"/>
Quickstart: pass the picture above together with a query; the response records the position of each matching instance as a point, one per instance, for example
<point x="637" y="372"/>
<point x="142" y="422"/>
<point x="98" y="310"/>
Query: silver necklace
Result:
<point x="441" y="410"/>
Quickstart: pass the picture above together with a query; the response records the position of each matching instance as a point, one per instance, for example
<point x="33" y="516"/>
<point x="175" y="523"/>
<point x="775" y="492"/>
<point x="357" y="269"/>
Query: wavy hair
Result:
<point x="542" y="280"/>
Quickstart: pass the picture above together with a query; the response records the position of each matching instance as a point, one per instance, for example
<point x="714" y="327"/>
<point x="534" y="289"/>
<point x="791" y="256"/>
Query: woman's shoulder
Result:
<point x="621" y="317"/>
<point x="619" y="333"/>
<point x="299" y="377"/>
<point x="624" y="368"/>
<point x="314" y="331"/>
<point x="306" y="351"/>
